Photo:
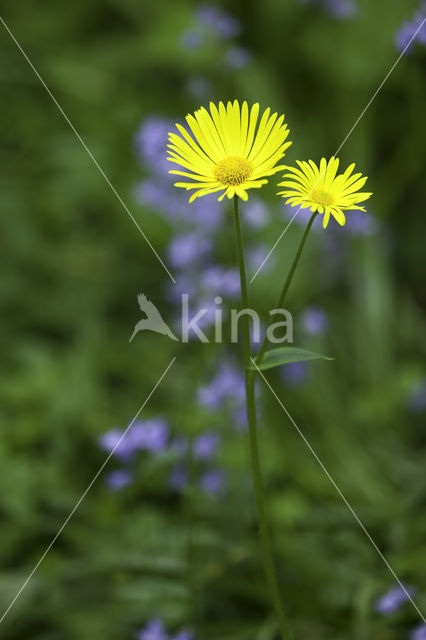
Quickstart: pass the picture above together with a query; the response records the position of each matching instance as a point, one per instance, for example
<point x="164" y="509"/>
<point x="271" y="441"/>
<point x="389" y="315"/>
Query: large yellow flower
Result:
<point x="321" y="190"/>
<point x="225" y="151"/>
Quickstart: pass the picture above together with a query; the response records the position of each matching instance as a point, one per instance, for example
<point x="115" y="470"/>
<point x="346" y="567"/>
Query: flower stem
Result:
<point x="287" y="283"/>
<point x="268" y="561"/>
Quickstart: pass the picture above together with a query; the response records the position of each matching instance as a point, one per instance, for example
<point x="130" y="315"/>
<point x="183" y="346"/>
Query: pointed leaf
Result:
<point x="285" y="355"/>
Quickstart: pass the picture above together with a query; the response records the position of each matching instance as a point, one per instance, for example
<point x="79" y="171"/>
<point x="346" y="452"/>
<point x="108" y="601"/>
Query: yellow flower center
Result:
<point x="233" y="170"/>
<point x="322" y="197"/>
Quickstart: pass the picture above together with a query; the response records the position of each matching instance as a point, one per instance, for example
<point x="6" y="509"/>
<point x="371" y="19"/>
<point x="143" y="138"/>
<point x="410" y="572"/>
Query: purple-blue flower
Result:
<point x="187" y="248"/>
<point x="410" y="32"/>
<point x="295" y="373"/>
<point x="151" y="143"/>
<point x="205" y="446"/>
<point x="153" y="630"/>
<point x="237" y="58"/>
<point x="419" y="633"/>
<point x="221" y="23"/>
<point x="150" y="435"/>
<point x="219" y="281"/>
<point x="340" y="8"/>
<point x="118" y="479"/>
<point x="314" y="321"/>
<point x="256" y="213"/>
<point x="114" y="441"/>
<point x="213" y="481"/>
<point x="198" y="87"/>
<point x="336" y="8"/>
<point x="185" y="634"/>
<point x="258" y="256"/>
<point x="179" y="477"/>
<point x="226" y="386"/>
<point x="192" y="38"/>
<point x="359" y="223"/>
<point x="417" y="397"/>
<point x="393" y="599"/>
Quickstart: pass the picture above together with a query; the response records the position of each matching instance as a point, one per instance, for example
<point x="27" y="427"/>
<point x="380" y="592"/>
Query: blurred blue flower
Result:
<point x="256" y="257"/>
<point x="213" y="481"/>
<point x="226" y="386"/>
<point x="393" y="599"/>
<point x="359" y="223"/>
<point x="150" y="435"/>
<point x="256" y="213"/>
<point x="417" y="397"/>
<point x="336" y="8"/>
<point x="295" y="373"/>
<point x="184" y="635"/>
<point x="180" y="445"/>
<point x="205" y="446"/>
<point x="237" y="58"/>
<point x="151" y="143"/>
<point x="118" y="479"/>
<point x="314" y="321"/>
<point x="115" y="441"/>
<point x="199" y="87"/>
<point x="340" y="8"/>
<point x="219" y="281"/>
<point x="406" y="36"/>
<point x="419" y="633"/>
<point x="220" y="22"/>
<point x="206" y="212"/>
<point x="192" y="38"/>
<point x="179" y="477"/>
<point x="240" y="418"/>
<point x="154" y="630"/>
<point x="187" y="248"/>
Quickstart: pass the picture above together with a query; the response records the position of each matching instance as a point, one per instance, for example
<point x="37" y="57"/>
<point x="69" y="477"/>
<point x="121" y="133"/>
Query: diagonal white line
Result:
<point x="401" y="584"/>
<point x="92" y="157"/>
<point x="84" y="494"/>
<point x="342" y="143"/>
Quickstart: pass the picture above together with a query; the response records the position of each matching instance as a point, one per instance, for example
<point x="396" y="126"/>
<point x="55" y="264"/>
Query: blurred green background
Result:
<point x="185" y="549"/>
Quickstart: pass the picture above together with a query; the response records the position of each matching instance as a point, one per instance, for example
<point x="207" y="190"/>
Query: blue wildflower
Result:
<point x="179" y="477"/>
<point x="226" y="386"/>
<point x="295" y="373"/>
<point x="118" y="479"/>
<point x="154" y="630"/>
<point x="198" y="87"/>
<point x="410" y="32"/>
<point x="237" y="58"/>
<point x="151" y="143"/>
<point x="186" y="248"/>
<point x="419" y="633"/>
<point x="220" y="22"/>
<point x="205" y="446"/>
<point x="417" y="397"/>
<point x="393" y="599"/>
<point x="213" y="481"/>
<point x="114" y="441"/>
<point x="256" y="213"/>
<point x="314" y="321"/>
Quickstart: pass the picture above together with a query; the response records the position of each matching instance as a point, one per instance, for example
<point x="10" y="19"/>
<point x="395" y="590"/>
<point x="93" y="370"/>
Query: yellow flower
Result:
<point x="321" y="190"/>
<point x="225" y="151"/>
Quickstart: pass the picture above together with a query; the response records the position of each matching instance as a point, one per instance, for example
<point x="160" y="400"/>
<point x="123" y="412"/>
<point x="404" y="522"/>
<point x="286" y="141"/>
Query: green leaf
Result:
<point x="284" y="355"/>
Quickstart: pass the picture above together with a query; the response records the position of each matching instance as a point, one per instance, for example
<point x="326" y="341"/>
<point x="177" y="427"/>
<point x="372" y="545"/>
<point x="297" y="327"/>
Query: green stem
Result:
<point x="286" y="286"/>
<point x="268" y="561"/>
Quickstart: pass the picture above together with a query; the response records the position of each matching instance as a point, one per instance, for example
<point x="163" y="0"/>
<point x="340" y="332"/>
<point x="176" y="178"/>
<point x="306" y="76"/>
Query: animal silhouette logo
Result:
<point x="153" y="320"/>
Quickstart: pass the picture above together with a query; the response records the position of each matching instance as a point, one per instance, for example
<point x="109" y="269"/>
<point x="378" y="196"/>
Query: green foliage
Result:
<point x="285" y="355"/>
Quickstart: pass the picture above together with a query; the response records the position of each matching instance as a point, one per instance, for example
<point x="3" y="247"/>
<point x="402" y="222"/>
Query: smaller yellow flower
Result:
<point x="322" y="190"/>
